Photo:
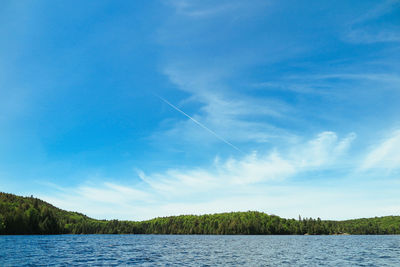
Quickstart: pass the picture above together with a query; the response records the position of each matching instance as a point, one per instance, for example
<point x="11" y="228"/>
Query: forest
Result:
<point x="29" y="215"/>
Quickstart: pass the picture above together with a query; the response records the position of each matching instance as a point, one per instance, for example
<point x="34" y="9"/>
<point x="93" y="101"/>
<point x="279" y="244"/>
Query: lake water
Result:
<point x="190" y="250"/>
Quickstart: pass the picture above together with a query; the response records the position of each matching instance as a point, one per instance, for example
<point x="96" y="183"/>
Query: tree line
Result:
<point x="29" y="215"/>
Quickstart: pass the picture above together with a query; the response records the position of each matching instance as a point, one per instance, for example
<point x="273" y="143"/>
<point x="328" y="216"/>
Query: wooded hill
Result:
<point x="29" y="215"/>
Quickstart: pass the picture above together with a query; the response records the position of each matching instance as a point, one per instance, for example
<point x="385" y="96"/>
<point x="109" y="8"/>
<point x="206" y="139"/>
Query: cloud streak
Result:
<point x="199" y="123"/>
<point x="365" y="30"/>
<point x="231" y="184"/>
<point x="385" y="155"/>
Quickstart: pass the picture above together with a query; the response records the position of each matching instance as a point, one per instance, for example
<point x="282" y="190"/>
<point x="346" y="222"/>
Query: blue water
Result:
<point x="190" y="250"/>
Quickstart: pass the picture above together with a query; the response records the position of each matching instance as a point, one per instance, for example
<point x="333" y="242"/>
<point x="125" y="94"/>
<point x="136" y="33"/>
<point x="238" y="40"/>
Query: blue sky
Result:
<point x="138" y="109"/>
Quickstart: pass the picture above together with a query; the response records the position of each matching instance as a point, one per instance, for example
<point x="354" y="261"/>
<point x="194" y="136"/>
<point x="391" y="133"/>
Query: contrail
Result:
<point x="199" y="123"/>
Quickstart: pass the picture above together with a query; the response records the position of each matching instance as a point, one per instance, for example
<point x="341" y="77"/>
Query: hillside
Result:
<point x="29" y="215"/>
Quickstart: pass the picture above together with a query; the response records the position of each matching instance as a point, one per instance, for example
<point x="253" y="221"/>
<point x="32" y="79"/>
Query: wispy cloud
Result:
<point x="222" y="106"/>
<point x="369" y="36"/>
<point x="205" y="9"/>
<point x="321" y="152"/>
<point x="381" y="77"/>
<point x="166" y="192"/>
<point x="230" y="114"/>
<point x="200" y="124"/>
<point x="384" y="155"/>
<point x="363" y="30"/>
<point x="104" y="200"/>
<point x="377" y="11"/>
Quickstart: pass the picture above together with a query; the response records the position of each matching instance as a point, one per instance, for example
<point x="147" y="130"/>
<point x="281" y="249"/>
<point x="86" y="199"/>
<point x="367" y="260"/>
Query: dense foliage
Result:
<point x="29" y="215"/>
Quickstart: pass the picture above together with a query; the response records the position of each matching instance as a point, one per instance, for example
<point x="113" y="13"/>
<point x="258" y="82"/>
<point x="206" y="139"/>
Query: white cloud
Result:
<point x="243" y="183"/>
<point x="344" y="144"/>
<point x="386" y="155"/>
<point x="379" y="77"/>
<point x="361" y="30"/>
<point x="201" y="9"/>
<point x="111" y="193"/>
<point x="372" y="36"/>
<point x="332" y="202"/>
<point x="323" y="151"/>
<point x="104" y="200"/>
<point x="377" y="11"/>
<point x="188" y="8"/>
<point x="234" y="116"/>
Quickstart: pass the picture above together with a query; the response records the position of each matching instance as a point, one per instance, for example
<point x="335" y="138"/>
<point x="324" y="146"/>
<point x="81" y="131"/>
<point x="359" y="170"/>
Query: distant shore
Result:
<point x="29" y="215"/>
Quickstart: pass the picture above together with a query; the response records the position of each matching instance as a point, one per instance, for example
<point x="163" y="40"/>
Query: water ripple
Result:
<point x="170" y="250"/>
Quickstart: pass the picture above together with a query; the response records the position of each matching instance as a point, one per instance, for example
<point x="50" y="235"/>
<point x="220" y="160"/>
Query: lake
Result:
<point x="200" y="250"/>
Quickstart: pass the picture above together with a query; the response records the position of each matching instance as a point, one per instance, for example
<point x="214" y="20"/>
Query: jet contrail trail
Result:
<point x="199" y="123"/>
